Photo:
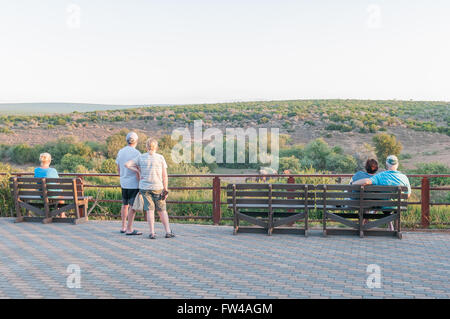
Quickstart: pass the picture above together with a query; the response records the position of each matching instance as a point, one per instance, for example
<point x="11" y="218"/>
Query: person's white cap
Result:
<point x="392" y="160"/>
<point x="132" y="138"/>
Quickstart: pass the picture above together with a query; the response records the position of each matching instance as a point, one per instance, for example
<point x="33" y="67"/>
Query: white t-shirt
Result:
<point x="128" y="178"/>
<point x="151" y="167"/>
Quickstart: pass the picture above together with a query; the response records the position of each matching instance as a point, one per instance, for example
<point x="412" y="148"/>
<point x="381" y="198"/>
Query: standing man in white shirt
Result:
<point x="129" y="183"/>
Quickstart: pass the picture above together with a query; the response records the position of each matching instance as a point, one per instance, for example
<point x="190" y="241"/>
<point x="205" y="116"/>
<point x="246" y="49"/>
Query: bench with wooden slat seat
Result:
<point x="270" y="205"/>
<point x="351" y="204"/>
<point x="44" y="199"/>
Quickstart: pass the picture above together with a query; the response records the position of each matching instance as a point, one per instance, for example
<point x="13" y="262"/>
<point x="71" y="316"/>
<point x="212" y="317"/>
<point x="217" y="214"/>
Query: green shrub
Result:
<point x="6" y="130"/>
<point x="289" y="163"/>
<point x="6" y="200"/>
<point x="69" y="163"/>
<point x="385" y="145"/>
<point x="431" y="168"/>
<point x="117" y="141"/>
<point x="109" y="166"/>
<point x="339" y="127"/>
<point x="23" y="153"/>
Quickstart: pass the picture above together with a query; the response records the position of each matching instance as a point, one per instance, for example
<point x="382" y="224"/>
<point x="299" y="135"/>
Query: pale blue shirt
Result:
<point x="40" y="172"/>
<point x="128" y="178"/>
<point x="391" y="178"/>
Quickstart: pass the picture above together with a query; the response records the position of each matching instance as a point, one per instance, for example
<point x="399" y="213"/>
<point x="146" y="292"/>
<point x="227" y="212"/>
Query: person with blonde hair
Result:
<point x="45" y="171"/>
<point x="151" y="169"/>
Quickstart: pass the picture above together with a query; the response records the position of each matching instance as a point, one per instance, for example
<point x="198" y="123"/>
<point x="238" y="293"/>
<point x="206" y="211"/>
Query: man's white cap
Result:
<point x="132" y="138"/>
<point x="392" y="160"/>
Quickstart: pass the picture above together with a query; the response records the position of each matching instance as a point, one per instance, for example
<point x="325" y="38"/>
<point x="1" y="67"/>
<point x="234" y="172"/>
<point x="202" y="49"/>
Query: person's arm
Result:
<point x="53" y="173"/>
<point x="409" y="189"/>
<point x="165" y="178"/>
<point x="364" y="181"/>
<point x="132" y="166"/>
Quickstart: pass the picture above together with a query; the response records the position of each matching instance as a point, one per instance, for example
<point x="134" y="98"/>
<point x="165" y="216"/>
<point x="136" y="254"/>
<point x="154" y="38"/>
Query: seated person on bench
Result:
<point x="390" y="177"/>
<point x="45" y="171"/>
<point x="371" y="170"/>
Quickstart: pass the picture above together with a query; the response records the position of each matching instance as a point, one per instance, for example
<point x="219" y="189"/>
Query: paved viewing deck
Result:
<point x="209" y="262"/>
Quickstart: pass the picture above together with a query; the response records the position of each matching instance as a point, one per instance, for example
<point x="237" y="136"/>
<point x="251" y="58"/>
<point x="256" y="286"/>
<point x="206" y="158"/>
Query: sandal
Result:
<point x="170" y="235"/>
<point x="134" y="232"/>
<point x="123" y="231"/>
<point x="152" y="236"/>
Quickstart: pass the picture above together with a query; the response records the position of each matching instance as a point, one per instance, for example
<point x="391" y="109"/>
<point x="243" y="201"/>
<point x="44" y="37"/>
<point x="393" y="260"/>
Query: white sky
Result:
<point x="173" y="51"/>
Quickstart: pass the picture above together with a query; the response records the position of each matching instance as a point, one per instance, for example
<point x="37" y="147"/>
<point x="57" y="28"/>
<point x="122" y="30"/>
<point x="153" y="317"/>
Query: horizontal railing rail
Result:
<point x="217" y="188"/>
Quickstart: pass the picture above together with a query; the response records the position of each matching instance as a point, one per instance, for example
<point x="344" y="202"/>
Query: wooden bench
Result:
<point x="44" y="199"/>
<point x="350" y="205"/>
<point x="270" y="205"/>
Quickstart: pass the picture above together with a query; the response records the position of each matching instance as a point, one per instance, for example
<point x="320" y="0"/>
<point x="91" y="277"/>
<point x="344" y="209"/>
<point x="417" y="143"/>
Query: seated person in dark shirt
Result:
<point x="371" y="169"/>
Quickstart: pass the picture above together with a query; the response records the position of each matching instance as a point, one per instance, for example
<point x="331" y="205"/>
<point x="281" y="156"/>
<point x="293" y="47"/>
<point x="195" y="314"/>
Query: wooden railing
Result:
<point x="217" y="186"/>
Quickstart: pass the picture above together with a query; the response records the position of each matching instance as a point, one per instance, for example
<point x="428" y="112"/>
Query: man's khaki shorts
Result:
<point x="152" y="200"/>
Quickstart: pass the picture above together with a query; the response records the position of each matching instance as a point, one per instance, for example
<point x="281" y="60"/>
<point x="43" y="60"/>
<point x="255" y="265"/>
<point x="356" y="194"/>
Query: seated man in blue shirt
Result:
<point x="390" y="177"/>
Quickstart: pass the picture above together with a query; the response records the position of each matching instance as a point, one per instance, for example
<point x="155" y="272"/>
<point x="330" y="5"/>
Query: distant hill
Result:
<point x="53" y="108"/>
<point x="423" y="127"/>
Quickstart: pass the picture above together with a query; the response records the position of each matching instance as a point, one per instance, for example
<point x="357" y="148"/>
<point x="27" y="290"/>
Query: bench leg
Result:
<point x="236" y="224"/>
<point x="19" y="219"/>
<point x="399" y="227"/>
<point x="361" y="223"/>
<point x="80" y="220"/>
<point x="47" y="220"/>
<point x="19" y="216"/>
<point x="324" y="223"/>
<point x="306" y="223"/>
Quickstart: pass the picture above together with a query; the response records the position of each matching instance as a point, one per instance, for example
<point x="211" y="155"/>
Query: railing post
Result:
<point x="217" y="214"/>
<point x="291" y="180"/>
<point x="425" y="199"/>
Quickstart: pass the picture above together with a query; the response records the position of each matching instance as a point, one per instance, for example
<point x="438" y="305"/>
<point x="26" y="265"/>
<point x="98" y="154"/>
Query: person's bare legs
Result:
<point x="391" y="226"/>
<point x="165" y="220"/>
<point x="131" y="215"/>
<point x="151" y="221"/>
<point x="124" y="214"/>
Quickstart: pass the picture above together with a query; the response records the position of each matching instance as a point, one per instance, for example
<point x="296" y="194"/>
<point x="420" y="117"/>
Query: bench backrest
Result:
<point x="40" y="188"/>
<point x="352" y="197"/>
<point x="333" y="197"/>
<point x="270" y="194"/>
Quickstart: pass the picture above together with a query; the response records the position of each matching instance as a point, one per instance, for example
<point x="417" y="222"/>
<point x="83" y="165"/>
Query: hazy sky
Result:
<point x="173" y="51"/>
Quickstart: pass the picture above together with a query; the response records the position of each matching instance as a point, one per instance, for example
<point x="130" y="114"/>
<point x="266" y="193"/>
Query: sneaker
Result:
<point x="170" y="235"/>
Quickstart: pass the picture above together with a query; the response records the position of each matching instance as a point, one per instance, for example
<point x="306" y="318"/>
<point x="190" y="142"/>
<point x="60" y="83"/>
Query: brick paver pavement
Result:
<point x="209" y="262"/>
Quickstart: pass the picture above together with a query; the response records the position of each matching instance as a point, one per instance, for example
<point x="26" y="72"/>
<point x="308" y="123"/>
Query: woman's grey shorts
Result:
<point x="153" y="201"/>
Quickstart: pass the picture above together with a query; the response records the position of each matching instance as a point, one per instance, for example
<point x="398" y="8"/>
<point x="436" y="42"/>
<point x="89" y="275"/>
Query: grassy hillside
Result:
<point x="422" y="127"/>
<point x="336" y="115"/>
